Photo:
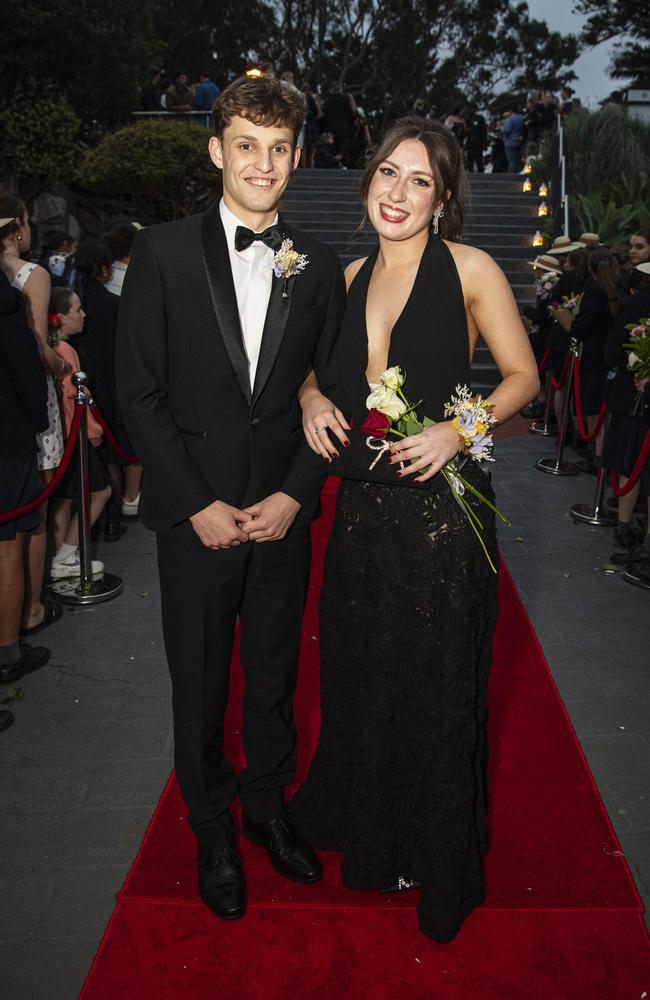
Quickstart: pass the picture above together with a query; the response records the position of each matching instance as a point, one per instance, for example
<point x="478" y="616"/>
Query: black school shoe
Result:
<point x="32" y="658"/>
<point x="222" y="885"/>
<point x="289" y="851"/>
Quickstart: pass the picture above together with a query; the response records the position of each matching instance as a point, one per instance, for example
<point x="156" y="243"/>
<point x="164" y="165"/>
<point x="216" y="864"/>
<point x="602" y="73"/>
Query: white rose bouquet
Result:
<point x="390" y="412"/>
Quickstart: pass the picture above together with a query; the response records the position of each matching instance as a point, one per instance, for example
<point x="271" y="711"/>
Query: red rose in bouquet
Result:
<point x="376" y="424"/>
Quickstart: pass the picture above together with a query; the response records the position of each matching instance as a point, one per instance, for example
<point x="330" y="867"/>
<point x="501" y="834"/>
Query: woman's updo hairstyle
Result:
<point x="11" y="207"/>
<point x="446" y="162"/>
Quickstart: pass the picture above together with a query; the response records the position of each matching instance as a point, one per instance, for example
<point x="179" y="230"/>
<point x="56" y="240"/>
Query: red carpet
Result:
<point x="562" y="920"/>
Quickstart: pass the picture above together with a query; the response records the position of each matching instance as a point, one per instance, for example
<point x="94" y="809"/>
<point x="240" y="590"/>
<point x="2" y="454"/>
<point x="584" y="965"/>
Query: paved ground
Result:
<point x="91" y="748"/>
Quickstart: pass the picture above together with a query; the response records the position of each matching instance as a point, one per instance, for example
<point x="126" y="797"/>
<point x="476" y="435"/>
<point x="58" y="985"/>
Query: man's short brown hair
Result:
<point x="263" y="101"/>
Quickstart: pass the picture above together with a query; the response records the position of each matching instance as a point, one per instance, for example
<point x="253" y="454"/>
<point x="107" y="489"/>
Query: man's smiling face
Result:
<point x="257" y="162"/>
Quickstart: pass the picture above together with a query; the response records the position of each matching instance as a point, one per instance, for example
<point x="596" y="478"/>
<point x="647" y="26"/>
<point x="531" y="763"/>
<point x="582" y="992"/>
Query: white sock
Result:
<point x="65" y="551"/>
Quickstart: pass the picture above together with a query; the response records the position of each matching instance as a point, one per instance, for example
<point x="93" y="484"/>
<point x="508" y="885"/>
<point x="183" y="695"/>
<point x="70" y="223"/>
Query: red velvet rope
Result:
<point x="545" y="356"/>
<point x="110" y="437"/>
<point x="633" y="478"/>
<point x="578" y="398"/>
<point x="565" y="368"/>
<point x="13" y="515"/>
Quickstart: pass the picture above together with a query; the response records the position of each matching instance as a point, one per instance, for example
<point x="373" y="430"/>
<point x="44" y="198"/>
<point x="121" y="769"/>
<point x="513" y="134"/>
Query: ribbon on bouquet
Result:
<point x="380" y="445"/>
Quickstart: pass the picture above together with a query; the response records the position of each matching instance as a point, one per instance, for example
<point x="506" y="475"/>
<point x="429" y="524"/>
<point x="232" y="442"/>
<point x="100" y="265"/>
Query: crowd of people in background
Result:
<point x="594" y="294"/>
<point x="58" y="316"/>
<point x="337" y="131"/>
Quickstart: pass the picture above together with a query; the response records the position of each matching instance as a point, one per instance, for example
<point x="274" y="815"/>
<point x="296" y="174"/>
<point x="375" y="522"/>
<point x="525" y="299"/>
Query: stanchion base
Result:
<point x="541" y="430"/>
<point x="105" y="588"/>
<point x="630" y="575"/>
<point x="555" y="468"/>
<point x="589" y="515"/>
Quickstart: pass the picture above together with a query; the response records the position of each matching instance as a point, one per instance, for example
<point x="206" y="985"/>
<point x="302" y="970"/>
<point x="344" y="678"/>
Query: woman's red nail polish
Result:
<point x="329" y="460"/>
<point x="336" y="454"/>
<point x="346" y="444"/>
<point x="399" y="473"/>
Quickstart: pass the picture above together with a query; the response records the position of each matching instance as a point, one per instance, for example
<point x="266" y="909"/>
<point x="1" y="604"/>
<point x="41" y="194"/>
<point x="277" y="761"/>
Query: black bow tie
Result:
<point x="272" y="237"/>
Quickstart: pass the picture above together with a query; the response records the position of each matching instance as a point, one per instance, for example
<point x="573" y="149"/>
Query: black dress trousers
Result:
<point x="203" y="593"/>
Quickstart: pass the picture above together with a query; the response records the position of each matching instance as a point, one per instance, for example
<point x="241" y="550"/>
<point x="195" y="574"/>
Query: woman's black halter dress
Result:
<point x="407" y="613"/>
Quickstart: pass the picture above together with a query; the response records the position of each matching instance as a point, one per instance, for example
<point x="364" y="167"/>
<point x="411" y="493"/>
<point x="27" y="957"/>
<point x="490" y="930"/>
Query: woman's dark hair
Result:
<point x="263" y="101"/>
<point x="11" y="206"/>
<point x="119" y="239"/>
<point x="446" y="162"/>
<point x="60" y="299"/>
<point x="579" y="261"/>
<point x="54" y="240"/>
<point x="92" y="256"/>
<point x="644" y="234"/>
<point x="603" y="265"/>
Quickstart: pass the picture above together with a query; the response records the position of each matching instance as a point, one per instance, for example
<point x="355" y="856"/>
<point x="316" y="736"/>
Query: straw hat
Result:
<point x="563" y="244"/>
<point x="645" y="268"/>
<point x="590" y="239"/>
<point x="545" y="263"/>
<point x="5" y="222"/>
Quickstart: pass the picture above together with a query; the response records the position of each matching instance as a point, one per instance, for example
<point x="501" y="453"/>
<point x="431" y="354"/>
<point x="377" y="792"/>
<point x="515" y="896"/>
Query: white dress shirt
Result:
<point x="116" y="280"/>
<point x="252" y="272"/>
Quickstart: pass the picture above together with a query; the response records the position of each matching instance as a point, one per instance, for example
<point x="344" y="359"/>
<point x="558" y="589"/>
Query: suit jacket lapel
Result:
<point x="222" y="291"/>
<point x="277" y="315"/>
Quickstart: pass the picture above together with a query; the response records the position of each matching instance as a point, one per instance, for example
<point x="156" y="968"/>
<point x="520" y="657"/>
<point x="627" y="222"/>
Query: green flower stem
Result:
<point x="480" y="496"/>
<point x="471" y="517"/>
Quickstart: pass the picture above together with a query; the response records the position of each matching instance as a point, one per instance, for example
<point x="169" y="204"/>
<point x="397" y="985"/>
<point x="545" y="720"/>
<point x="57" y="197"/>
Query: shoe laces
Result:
<point x="224" y="852"/>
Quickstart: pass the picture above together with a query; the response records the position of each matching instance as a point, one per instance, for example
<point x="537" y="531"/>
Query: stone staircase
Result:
<point x="500" y="220"/>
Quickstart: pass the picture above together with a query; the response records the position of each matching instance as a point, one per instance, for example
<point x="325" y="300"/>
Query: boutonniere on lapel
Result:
<point x="287" y="263"/>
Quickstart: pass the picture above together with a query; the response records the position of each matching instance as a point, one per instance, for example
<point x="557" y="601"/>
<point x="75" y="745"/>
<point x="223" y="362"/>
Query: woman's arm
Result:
<point x="37" y="299"/>
<point x="494" y="315"/>
<point x="319" y="412"/>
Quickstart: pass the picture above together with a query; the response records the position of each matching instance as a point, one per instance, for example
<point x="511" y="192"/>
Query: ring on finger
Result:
<point x="317" y="430"/>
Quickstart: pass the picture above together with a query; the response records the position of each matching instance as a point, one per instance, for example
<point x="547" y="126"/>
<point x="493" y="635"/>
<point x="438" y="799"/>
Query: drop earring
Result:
<point x="438" y="214"/>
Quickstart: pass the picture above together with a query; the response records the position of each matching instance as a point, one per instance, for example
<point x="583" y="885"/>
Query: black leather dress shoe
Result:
<point x="222" y="885"/>
<point x="290" y="853"/>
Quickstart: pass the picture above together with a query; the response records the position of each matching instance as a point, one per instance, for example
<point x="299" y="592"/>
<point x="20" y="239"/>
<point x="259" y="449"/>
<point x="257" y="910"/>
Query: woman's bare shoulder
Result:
<point x="38" y="278"/>
<point x="471" y="259"/>
<point x="352" y="270"/>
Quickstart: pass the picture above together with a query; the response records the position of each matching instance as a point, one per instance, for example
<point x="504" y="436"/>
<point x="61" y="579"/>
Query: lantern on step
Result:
<point x="255" y="72"/>
<point x="527" y="185"/>
<point x="538" y="239"/>
<point x="543" y="190"/>
<point x="528" y="168"/>
<point x="542" y="210"/>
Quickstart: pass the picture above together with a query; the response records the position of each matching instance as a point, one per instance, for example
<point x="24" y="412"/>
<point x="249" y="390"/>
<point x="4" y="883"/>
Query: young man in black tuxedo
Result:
<point x="212" y="350"/>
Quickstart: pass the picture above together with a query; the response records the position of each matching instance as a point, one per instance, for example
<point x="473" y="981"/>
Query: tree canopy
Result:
<point x="386" y="52"/>
<point x="627" y="21"/>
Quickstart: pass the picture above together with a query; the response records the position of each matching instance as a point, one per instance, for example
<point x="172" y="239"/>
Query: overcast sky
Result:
<point x="593" y="82"/>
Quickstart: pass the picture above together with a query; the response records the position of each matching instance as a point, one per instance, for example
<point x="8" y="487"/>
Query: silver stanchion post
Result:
<point x="556" y="466"/>
<point x="545" y="429"/>
<point x="85" y="589"/>
<point x="596" y="513"/>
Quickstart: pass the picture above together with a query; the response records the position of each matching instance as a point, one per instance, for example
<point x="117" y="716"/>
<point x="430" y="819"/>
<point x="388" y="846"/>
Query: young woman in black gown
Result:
<point x="409" y="602"/>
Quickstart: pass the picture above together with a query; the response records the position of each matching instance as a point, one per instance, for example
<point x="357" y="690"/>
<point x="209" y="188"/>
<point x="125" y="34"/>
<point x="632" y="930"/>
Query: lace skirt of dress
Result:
<point x="398" y="782"/>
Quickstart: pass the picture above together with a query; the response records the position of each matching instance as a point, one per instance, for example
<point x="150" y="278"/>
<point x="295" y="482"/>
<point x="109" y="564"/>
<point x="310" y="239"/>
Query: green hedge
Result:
<point x="609" y="166"/>
<point x="162" y="167"/>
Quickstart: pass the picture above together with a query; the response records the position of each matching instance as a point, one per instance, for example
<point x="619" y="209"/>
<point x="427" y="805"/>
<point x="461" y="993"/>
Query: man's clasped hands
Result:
<point x="221" y="526"/>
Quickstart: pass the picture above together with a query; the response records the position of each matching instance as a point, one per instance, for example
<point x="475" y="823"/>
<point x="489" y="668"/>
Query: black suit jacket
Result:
<point x="182" y="372"/>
